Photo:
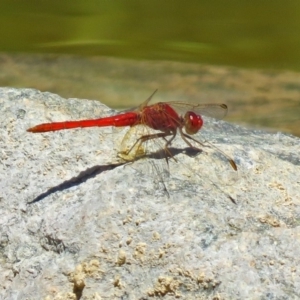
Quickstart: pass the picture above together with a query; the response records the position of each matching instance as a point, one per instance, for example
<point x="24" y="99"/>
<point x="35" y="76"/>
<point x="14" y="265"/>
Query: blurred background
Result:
<point x="242" y="53"/>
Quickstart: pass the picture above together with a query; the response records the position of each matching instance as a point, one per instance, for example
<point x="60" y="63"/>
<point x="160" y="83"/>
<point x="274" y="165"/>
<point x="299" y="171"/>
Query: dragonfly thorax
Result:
<point x="192" y="122"/>
<point x="160" y="116"/>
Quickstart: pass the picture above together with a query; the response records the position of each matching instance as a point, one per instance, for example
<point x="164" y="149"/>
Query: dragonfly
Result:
<point x="167" y="119"/>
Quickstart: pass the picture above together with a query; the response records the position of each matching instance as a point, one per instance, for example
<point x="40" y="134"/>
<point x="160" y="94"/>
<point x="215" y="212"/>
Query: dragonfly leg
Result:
<point x="185" y="137"/>
<point x="146" y="138"/>
<point x="168" y="143"/>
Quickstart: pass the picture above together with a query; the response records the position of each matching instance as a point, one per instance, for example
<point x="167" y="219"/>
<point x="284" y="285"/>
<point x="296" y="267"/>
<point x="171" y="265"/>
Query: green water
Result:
<point x="260" y="34"/>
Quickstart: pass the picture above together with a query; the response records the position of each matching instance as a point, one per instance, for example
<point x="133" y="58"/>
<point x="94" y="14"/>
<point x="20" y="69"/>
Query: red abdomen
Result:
<point x="125" y="119"/>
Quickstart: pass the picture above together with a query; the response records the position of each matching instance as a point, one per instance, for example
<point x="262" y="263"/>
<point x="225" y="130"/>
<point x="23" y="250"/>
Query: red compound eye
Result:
<point x="192" y="122"/>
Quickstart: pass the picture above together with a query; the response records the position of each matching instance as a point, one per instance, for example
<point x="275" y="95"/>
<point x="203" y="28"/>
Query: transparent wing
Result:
<point x="140" y="141"/>
<point x="150" y="152"/>
<point x="213" y="110"/>
<point x="141" y="106"/>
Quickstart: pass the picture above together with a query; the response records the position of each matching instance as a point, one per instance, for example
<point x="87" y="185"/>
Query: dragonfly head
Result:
<point x="192" y="122"/>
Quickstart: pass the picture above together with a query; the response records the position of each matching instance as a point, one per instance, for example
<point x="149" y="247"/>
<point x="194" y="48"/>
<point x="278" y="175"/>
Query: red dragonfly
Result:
<point x="164" y="117"/>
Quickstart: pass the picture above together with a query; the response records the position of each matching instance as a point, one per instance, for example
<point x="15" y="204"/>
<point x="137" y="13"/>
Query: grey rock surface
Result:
<point x="77" y="223"/>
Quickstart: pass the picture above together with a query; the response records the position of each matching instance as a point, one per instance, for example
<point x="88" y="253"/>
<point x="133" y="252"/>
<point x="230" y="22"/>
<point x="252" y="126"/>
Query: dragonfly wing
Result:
<point x="213" y="110"/>
<point x="130" y="147"/>
<point x="140" y="141"/>
<point x="145" y="103"/>
<point x="148" y="155"/>
<point x="141" y="106"/>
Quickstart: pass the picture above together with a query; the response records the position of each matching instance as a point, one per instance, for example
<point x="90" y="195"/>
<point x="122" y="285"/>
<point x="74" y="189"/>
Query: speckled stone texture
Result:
<point x="77" y="223"/>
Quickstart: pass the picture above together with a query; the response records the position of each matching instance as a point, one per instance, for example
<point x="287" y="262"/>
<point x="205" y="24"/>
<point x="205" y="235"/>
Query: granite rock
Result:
<point x="79" y="223"/>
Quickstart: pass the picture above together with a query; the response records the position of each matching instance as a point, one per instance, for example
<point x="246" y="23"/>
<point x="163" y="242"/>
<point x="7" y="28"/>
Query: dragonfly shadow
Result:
<point x="82" y="177"/>
<point x="96" y="170"/>
<point x="173" y="152"/>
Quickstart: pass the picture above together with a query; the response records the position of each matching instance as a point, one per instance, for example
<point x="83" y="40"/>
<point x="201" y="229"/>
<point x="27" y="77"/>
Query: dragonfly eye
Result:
<point x="192" y="122"/>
